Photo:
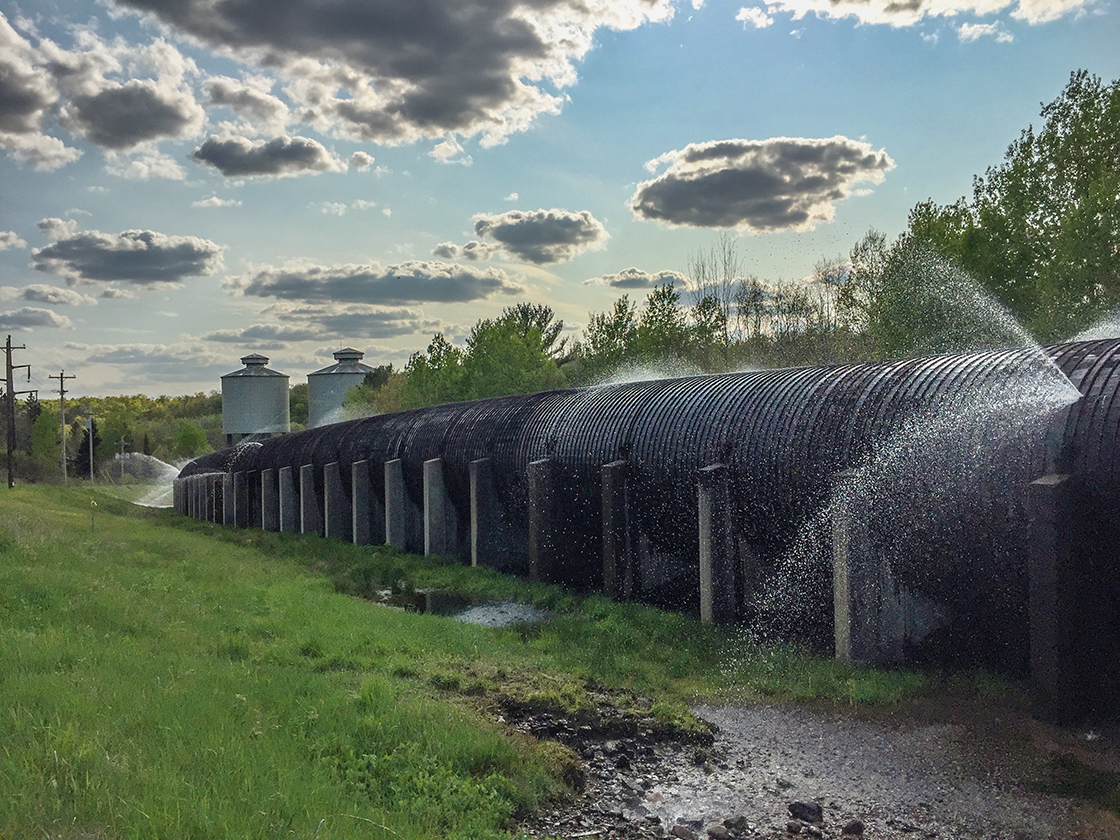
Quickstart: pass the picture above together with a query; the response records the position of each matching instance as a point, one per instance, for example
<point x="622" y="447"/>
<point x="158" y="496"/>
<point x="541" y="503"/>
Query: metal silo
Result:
<point x="255" y="400"/>
<point x="326" y="388"/>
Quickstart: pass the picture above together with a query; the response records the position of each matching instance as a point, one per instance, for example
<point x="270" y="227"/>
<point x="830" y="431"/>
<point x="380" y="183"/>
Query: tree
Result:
<point x="608" y="339"/>
<point x="500" y="359"/>
<point x="81" y="465"/>
<point x="191" y="441"/>
<point x="298" y="410"/>
<point x="46" y="442"/>
<point x="435" y="376"/>
<point x="1042" y="231"/>
<point x="662" y="333"/>
<point x="526" y="316"/>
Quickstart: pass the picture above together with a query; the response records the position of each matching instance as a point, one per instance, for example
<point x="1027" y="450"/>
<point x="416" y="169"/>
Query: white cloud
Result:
<point x="43" y="293"/>
<point x="10" y="239"/>
<point x="361" y="161"/>
<point x="633" y="278"/>
<point x="214" y="201"/>
<point x="450" y="151"/>
<point x="909" y="13"/>
<point x="31" y="317"/>
<point x="975" y="31"/>
<point x="754" y="17"/>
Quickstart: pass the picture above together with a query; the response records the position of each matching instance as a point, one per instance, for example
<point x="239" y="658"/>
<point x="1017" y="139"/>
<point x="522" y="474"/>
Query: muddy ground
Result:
<point x="935" y="770"/>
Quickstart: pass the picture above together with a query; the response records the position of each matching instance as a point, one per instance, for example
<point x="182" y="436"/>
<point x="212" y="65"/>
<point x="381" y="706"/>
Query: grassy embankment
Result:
<point x="161" y="677"/>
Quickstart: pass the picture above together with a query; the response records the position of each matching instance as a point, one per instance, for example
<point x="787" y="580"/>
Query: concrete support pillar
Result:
<point x="310" y="511"/>
<point x="1053" y="607"/>
<point x="718" y="599"/>
<point x="241" y="504"/>
<point x="867" y="613"/>
<point x="542" y="520"/>
<point x="396" y="505"/>
<point x="289" y="500"/>
<point x="366" y="511"/>
<point x="215" y="503"/>
<point x="270" y="500"/>
<point x="618" y="570"/>
<point x="228" y="500"/>
<point x="253" y="493"/>
<point x="337" y="513"/>
<point x="441" y="525"/>
<point x="483" y="523"/>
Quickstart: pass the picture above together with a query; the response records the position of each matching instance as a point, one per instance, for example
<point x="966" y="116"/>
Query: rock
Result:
<point x="736" y="824"/>
<point x="854" y="828"/>
<point x="718" y="832"/>
<point x="622" y="762"/>
<point x="684" y="833"/>
<point x="793" y="827"/>
<point x="810" y="812"/>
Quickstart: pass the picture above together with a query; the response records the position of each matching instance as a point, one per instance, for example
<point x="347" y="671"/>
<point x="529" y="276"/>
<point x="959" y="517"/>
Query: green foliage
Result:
<point x="507" y="355"/>
<point x="1042" y="231"/>
<point x="46" y="443"/>
<point x="298" y="405"/>
<point x="190" y="441"/>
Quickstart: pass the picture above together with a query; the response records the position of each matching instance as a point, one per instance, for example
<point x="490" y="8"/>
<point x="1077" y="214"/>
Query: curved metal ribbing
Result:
<point x="784" y="435"/>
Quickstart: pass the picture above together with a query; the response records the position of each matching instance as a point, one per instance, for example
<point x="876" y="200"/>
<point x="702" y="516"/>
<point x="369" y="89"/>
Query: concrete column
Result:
<point x="241" y="505"/>
<point x="270" y="500"/>
<point x="482" y="512"/>
<point x="229" y="501"/>
<point x="618" y="572"/>
<point x="289" y="501"/>
<point x="717" y="552"/>
<point x="396" y="505"/>
<point x="253" y="494"/>
<point x="1053" y="600"/>
<point x="366" y="510"/>
<point x="337" y="513"/>
<point x="542" y="520"/>
<point x="310" y="512"/>
<point x="216" y="503"/>
<point x="867" y="613"/>
<point x="441" y="526"/>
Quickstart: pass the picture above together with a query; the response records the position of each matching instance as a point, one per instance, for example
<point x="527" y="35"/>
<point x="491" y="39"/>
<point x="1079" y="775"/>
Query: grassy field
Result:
<point x="164" y="678"/>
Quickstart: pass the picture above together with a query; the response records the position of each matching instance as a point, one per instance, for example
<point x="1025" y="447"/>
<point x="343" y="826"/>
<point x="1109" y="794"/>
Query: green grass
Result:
<point x="164" y="678"/>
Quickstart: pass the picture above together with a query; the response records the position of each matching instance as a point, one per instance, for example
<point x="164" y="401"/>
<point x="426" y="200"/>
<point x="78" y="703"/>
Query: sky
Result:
<point x="184" y="182"/>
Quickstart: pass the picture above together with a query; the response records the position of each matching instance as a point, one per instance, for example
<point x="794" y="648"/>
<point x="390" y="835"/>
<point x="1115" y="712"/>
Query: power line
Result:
<point x="62" y="377"/>
<point x="10" y="401"/>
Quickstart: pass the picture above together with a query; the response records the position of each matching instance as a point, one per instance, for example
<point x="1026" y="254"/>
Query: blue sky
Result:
<point x="187" y="181"/>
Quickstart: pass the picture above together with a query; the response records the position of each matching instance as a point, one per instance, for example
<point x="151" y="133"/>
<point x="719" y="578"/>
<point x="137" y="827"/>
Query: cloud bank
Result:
<point x="784" y="183"/>
<point x="633" y="278"/>
<point x="893" y="13"/>
<point x="416" y="281"/>
<point x="396" y="71"/>
<point x="140" y="257"/>
<point x="33" y="317"/>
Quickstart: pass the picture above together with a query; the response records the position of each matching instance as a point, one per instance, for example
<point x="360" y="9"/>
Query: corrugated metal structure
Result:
<point x="327" y="387"/>
<point x="255" y="400"/>
<point x="936" y="454"/>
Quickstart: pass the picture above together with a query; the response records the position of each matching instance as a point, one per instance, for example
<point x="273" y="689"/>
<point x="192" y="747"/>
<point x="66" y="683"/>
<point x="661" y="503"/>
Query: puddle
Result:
<point x="505" y="614"/>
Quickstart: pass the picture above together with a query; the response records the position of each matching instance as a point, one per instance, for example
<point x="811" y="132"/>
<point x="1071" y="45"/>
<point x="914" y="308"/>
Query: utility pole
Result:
<point x="62" y="377"/>
<point x="10" y="401"/>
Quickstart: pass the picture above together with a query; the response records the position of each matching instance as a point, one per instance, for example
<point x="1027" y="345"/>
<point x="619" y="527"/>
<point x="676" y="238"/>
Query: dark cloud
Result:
<point x="322" y="322"/>
<point x="240" y="157"/>
<point x="473" y="250"/>
<point x="633" y="278"/>
<point x="758" y="185"/>
<point x="32" y="317"/>
<point x="411" y="282"/>
<point x="140" y="257"/>
<point x="542" y="236"/>
<point x="399" y="70"/>
<point x="139" y="111"/>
